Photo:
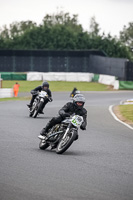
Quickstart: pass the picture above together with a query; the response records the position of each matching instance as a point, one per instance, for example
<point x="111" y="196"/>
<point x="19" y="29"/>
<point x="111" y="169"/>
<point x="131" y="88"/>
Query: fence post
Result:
<point x="0" y="81"/>
<point x="84" y="65"/>
<point x="14" y="63"/>
<point x="49" y="64"/>
<point x="31" y="64"/>
<point x="66" y="64"/>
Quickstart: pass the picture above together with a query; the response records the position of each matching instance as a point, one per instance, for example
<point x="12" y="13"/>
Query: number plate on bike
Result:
<point x="42" y="94"/>
<point x="77" y="120"/>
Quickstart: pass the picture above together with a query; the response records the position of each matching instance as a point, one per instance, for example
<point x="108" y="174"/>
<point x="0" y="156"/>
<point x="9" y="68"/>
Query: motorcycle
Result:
<point x="62" y="135"/>
<point x="38" y="103"/>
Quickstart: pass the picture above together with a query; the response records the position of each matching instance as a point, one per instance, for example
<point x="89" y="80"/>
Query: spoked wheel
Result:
<point x="37" y="109"/>
<point x="65" y="143"/>
<point x="31" y="112"/>
<point x="43" y="145"/>
<point x="35" y="113"/>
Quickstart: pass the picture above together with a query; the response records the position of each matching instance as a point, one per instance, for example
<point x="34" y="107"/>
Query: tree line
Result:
<point x="63" y="32"/>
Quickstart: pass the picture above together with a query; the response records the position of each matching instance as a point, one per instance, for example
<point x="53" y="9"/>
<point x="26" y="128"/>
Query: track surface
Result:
<point x="99" y="166"/>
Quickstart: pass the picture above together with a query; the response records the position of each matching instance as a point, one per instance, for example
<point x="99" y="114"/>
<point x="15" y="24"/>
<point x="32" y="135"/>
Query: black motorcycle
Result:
<point x="62" y="135"/>
<point x="38" y="103"/>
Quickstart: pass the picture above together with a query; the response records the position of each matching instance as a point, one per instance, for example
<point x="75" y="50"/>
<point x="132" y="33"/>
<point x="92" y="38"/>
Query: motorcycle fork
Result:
<point x="68" y="128"/>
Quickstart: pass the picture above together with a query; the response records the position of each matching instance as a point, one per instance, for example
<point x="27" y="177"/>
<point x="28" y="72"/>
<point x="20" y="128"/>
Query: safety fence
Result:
<point x="13" y="76"/>
<point x="62" y="76"/>
<point x="76" y="77"/>
<point x="6" y="92"/>
<point x="117" y="84"/>
<point x="82" y="61"/>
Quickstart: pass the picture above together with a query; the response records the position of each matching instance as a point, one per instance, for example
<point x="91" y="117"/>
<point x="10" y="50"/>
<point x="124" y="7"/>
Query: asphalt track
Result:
<point x="99" y="166"/>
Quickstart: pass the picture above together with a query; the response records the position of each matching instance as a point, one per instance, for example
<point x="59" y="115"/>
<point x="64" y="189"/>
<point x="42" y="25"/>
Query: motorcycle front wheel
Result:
<point x="37" y="109"/>
<point x="65" y="143"/>
<point x="30" y="115"/>
<point x="35" y="113"/>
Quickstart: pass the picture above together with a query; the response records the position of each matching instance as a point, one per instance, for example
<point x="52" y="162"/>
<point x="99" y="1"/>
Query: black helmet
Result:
<point x="79" y="100"/>
<point x="45" y="84"/>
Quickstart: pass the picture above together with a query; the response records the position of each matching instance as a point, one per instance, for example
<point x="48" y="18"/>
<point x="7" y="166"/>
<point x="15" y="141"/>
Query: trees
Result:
<point x="126" y="35"/>
<point x="60" y="31"/>
<point x="94" y="27"/>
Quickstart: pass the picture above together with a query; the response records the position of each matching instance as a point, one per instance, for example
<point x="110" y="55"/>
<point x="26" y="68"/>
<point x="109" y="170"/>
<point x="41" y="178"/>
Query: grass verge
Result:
<point x="127" y="112"/>
<point x="124" y="113"/>
<point x="14" y="98"/>
<point x="26" y="86"/>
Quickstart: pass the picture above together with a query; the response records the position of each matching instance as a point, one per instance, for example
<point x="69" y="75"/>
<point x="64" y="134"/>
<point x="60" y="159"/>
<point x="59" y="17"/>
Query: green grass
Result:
<point x="26" y="86"/>
<point x="14" y="98"/>
<point x="127" y="111"/>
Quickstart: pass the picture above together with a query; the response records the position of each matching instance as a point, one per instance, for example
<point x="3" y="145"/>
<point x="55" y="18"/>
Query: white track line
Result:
<point x="114" y="116"/>
<point x="121" y="102"/>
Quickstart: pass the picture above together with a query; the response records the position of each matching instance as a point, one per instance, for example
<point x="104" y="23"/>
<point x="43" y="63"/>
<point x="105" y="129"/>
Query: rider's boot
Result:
<point x="29" y="107"/>
<point x="43" y="134"/>
<point x="41" y="112"/>
<point x="44" y="104"/>
<point x="44" y="131"/>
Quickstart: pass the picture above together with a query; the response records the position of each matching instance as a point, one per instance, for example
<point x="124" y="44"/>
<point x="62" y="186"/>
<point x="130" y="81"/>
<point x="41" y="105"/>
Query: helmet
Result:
<point x="45" y="84"/>
<point x="79" y="100"/>
<point x="77" y="92"/>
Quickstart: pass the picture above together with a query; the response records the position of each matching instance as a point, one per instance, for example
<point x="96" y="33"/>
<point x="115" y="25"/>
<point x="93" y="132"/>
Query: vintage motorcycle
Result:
<point x="38" y="103"/>
<point x="62" y="135"/>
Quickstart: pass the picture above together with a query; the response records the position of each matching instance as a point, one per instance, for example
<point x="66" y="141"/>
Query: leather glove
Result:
<point x="34" y="92"/>
<point x="83" y="126"/>
<point x="50" y="99"/>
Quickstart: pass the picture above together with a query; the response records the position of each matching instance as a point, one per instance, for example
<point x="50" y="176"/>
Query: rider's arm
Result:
<point x="84" y="124"/>
<point x="49" y="93"/>
<point x="64" y="110"/>
<point x="39" y="88"/>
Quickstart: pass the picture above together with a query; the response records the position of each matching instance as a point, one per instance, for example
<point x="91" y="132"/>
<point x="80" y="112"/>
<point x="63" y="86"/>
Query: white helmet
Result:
<point x="79" y="100"/>
<point x="77" y="92"/>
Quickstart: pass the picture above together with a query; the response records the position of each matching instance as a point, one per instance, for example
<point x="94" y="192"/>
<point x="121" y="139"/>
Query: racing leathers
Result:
<point x="34" y="94"/>
<point x="67" y="110"/>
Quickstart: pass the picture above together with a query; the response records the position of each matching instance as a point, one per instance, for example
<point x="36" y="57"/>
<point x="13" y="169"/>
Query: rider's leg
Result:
<point x="32" y="100"/>
<point x="44" y="104"/>
<point x="50" y="124"/>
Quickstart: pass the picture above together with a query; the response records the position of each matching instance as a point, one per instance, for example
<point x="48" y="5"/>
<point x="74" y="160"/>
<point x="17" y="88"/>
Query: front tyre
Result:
<point x="36" y="111"/>
<point x="30" y="114"/>
<point x="43" y="145"/>
<point x="65" y="143"/>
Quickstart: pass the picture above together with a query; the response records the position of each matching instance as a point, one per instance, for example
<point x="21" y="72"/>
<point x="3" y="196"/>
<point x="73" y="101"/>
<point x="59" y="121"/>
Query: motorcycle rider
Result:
<point x="44" y="87"/>
<point x="76" y="107"/>
<point x="74" y="92"/>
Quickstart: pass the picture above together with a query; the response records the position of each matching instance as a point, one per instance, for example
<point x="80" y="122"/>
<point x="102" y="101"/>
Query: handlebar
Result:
<point x="34" y="92"/>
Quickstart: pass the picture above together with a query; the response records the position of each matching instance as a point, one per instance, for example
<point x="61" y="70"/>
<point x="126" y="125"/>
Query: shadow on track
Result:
<point x="38" y="117"/>
<point x="67" y="153"/>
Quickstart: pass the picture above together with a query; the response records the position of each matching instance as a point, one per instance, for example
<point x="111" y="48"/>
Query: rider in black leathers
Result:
<point x="44" y="87"/>
<point x="70" y="108"/>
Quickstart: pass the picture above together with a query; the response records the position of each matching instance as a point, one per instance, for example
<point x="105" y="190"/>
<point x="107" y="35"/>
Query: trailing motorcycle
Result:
<point x="62" y="135"/>
<point x="38" y="103"/>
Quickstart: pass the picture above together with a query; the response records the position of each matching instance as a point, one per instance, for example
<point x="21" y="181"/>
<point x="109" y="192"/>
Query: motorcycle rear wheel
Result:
<point x="43" y="145"/>
<point x="66" y="143"/>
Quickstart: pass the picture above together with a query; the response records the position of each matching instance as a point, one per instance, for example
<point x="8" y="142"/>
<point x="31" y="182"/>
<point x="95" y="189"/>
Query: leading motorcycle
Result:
<point x="62" y="135"/>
